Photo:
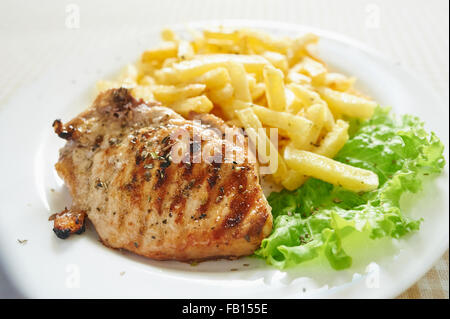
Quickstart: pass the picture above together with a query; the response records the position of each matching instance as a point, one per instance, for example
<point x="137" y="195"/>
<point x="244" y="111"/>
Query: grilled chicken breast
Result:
<point x="117" y="165"/>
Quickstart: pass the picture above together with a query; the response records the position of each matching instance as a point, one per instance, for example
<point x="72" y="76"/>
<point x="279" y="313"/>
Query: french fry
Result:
<point x="278" y="60"/>
<point x="329" y="119"/>
<point x="221" y="46"/>
<point x="293" y="180"/>
<point x="221" y="34"/>
<point x="334" y="140"/>
<point x="260" y="41"/>
<point x="261" y="100"/>
<point x="299" y="46"/>
<point x="185" y="50"/>
<point x="230" y="106"/>
<point x="253" y="126"/>
<point x="249" y="119"/>
<point x="305" y="95"/>
<point x="222" y="95"/>
<point x="316" y="114"/>
<point x="143" y="92"/>
<point x="240" y="105"/>
<point x="331" y="171"/>
<point x="214" y="79"/>
<point x="347" y="104"/>
<point x="296" y="127"/>
<point x="275" y="92"/>
<point x="329" y="147"/>
<point x="146" y="69"/>
<point x="167" y="63"/>
<point x="251" y="79"/>
<point x="257" y="91"/>
<point x="234" y="122"/>
<point x="147" y="81"/>
<point x="293" y="104"/>
<point x="198" y="104"/>
<point x="315" y="70"/>
<point x="309" y="97"/>
<point x="168" y="35"/>
<point x="166" y="50"/>
<point x="199" y="41"/>
<point x="298" y="78"/>
<point x="313" y="52"/>
<point x="187" y="70"/>
<point x="239" y="81"/>
<point x="338" y="82"/>
<point x="168" y="93"/>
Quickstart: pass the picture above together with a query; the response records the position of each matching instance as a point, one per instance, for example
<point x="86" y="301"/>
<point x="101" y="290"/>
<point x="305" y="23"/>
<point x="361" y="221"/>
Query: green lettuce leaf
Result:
<point x="314" y="219"/>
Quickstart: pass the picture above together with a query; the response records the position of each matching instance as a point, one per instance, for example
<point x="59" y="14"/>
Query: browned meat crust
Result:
<point x="69" y="222"/>
<point x="118" y="168"/>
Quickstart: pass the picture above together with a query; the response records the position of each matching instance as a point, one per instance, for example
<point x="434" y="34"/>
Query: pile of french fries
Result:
<point x="254" y="80"/>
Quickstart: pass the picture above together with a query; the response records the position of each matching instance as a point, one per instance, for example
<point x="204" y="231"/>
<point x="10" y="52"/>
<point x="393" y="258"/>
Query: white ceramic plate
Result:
<point x="82" y="267"/>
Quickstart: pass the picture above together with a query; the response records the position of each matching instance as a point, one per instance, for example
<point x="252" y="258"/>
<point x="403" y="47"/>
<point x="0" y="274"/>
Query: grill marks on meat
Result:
<point x="117" y="166"/>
